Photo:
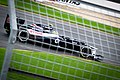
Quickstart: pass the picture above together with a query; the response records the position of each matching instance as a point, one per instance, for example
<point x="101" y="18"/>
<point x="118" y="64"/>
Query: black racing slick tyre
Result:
<point x="57" y="41"/>
<point x="23" y="35"/>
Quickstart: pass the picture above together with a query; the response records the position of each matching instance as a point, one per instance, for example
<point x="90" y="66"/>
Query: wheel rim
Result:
<point x="23" y="35"/>
<point x="57" y="41"/>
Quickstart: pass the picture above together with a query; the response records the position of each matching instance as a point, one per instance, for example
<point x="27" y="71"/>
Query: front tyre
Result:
<point x="98" y="58"/>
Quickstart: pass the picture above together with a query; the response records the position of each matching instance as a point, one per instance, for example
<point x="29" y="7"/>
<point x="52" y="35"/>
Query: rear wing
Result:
<point x="7" y="23"/>
<point x="19" y="21"/>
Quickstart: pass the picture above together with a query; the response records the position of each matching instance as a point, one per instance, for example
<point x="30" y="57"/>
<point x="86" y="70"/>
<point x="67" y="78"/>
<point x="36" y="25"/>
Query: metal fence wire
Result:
<point x="54" y="43"/>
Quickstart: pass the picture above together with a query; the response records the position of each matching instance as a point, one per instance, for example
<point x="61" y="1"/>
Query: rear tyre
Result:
<point x="23" y="35"/>
<point x="57" y="41"/>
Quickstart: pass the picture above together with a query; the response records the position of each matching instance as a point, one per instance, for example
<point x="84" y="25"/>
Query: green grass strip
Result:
<point x="51" y="12"/>
<point x="61" y="66"/>
<point x="14" y="75"/>
<point x="18" y="76"/>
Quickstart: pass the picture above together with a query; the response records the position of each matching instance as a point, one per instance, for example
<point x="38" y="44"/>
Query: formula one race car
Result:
<point x="47" y="35"/>
<point x="39" y="32"/>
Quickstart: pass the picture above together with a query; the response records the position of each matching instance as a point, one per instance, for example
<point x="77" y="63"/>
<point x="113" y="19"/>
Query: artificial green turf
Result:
<point x="61" y="66"/>
<point x="48" y="11"/>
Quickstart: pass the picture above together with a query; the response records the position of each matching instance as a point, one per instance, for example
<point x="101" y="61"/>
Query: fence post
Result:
<point x="11" y="41"/>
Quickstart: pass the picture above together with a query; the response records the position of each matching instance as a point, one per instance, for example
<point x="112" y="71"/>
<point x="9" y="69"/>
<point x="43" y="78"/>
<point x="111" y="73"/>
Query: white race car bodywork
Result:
<point x="36" y="33"/>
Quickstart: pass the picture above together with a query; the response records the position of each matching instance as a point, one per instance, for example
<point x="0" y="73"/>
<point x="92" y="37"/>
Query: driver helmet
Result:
<point x="50" y="25"/>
